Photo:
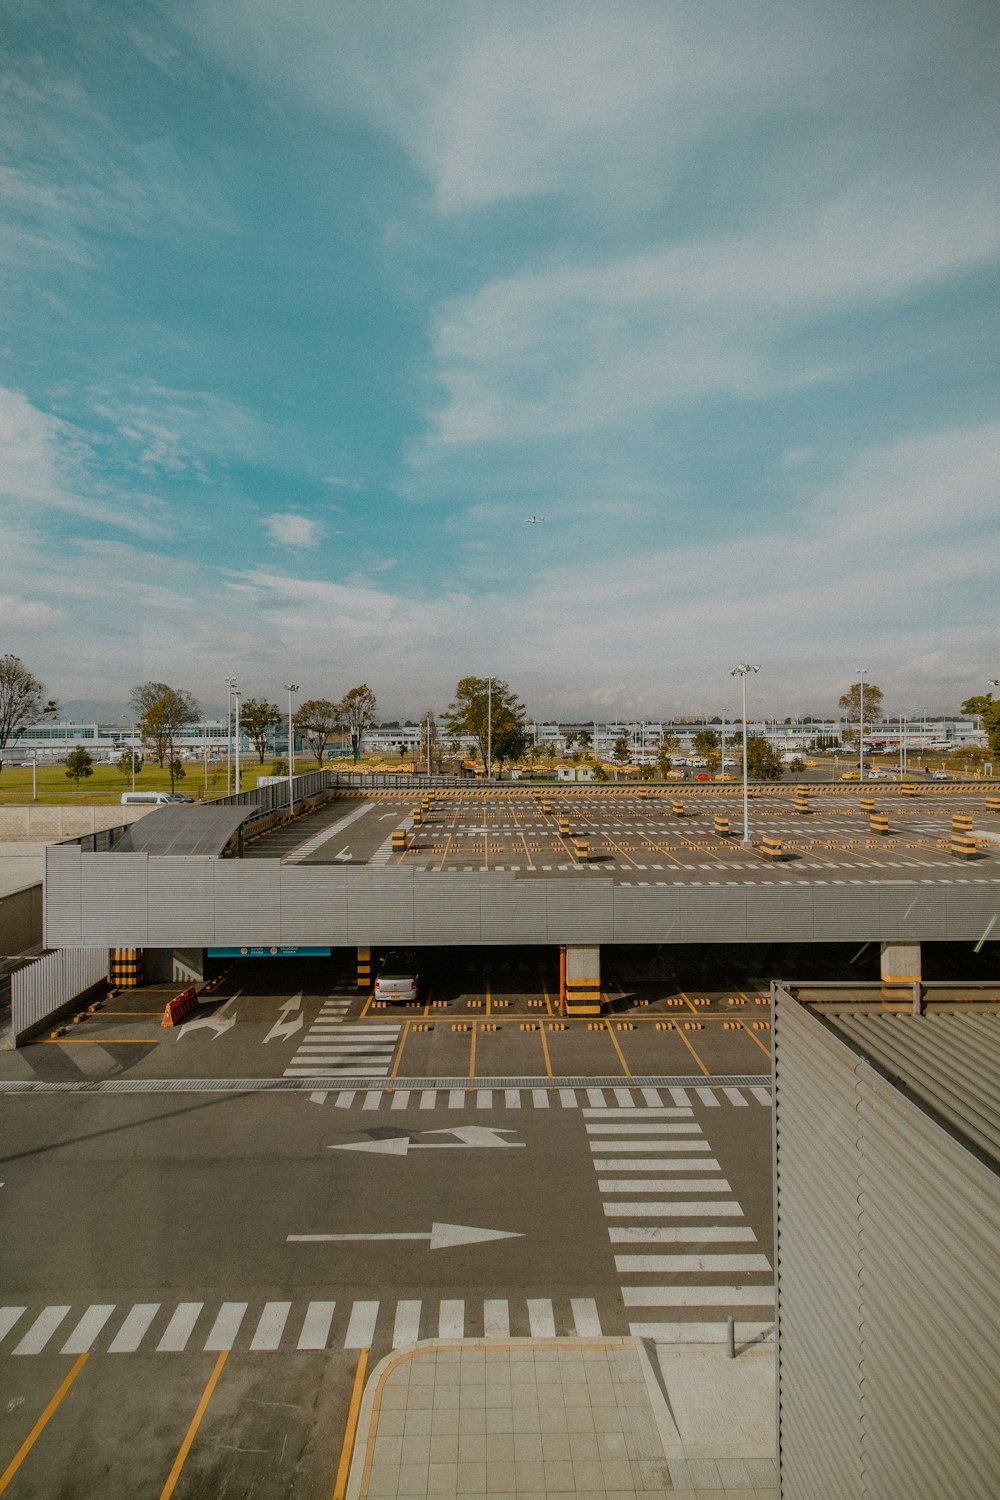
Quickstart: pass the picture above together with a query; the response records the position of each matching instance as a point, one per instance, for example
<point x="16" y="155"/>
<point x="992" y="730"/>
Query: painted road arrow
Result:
<point x="292" y="1019"/>
<point x="470" y="1138"/>
<point x="441" y="1236"/>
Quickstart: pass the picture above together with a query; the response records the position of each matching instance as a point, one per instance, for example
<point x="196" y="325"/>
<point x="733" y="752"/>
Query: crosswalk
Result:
<point x="331" y="1050"/>
<point x="683" y="1254"/>
<point x="289" y="1327"/>
<point x="552" y="1097"/>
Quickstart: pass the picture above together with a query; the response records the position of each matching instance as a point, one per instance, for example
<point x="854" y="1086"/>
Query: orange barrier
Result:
<point x="180" y="1006"/>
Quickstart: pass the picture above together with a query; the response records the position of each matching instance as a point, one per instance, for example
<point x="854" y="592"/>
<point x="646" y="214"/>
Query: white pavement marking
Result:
<point x="41" y="1330"/>
<point x="8" y="1317"/>
<point x="427" y="1098"/>
<point x="735" y="1097"/>
<point x="708" y="1096"/>
<point x="512" y="1098"/>
<point x="639" y="1127"/>
<point x="596" y="1098"/>
<point x="665" y="1209"/>
<point x="696" y="1333"/>
<point x="180" y="1328"/>
<point x="484" y="1098"/>
<point x="540" y="1098"/>
<point x="271" y="1326"/>
<point x="345" y="1098"/>
<point x="586" y="1322"/>
<point x="226" y="1326"/>
<point x="406" y="1328"/>
<point x="679" y="1096"/>
<point x="132" y="1332"/>
<point x="681" y="1234"/>
<point x="698" y="1296"/>
<point x="451" y="1319"/>
<point x="653" y="1164"/>
<point x="763" y="1096"/>
<point x="400" y="1099"/>
<point x="541" y="1319"/>
<point x="319" y="839"/>
<point x="567" y="1098"/>
<point x="361" y="1325"/>
<point x="675" y="1264"/>
<point x="316" y="1325"/>
<point x="664" y="1113"/>
<point x="496" y="1318"/>
<point x="625" y="1099"/>
<point x="88" y="1328"/>
<point x="456" y="1098"/>
<point x="663" y="1184"/>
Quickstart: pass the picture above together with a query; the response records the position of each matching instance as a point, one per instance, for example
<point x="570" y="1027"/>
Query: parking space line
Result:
<point x="350" y="1429"/>
<point x="36" y="1431"/>
<point x="192" y="1432"/>
<point x="753" y="1038"/>
<point x="472" y="1051"/>
<point x="545" y="1050"/>
<point x="614" y="1043"/>
<point x="693" y="1053"/>
<point x="399" y="1050"/>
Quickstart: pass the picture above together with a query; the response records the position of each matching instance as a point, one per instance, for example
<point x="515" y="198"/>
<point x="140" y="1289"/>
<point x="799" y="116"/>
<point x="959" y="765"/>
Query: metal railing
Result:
<point x="41" y="989"/>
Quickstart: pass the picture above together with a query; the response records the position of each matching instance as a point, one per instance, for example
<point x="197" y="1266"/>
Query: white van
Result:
<point x="151" y="798"/>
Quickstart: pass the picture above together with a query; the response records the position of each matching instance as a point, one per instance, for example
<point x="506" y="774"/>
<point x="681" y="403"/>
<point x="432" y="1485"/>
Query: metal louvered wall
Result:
<point x="43" y="988"/>
<point x="886" y="1234"/>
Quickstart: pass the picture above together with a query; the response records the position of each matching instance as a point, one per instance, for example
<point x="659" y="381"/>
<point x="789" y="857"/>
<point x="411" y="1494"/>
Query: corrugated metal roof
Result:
<point x="947" y="1060"/>
<point x="184" y="830"/>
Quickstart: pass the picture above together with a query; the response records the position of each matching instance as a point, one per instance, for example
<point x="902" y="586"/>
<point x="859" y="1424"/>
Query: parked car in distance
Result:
<point x="398" y="978"/>
<point x="152" y="798"/>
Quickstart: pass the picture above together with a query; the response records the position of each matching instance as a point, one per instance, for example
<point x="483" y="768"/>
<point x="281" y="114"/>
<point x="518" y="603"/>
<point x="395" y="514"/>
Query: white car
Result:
<point x="398" y="978"/>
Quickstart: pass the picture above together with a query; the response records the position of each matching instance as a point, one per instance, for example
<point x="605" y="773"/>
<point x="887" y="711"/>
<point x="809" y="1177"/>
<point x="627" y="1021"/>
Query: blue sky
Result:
<point x="305" y="308"/>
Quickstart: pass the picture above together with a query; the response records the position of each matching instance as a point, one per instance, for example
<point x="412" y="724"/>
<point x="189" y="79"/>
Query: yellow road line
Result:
<point x="350" y="1430"/>
<point x="545" y="1050"/>
<point x="688" y="1002"/>
<point x="545" y="992"/>
<point x="693" y="1052"/>
<point x="96" y="1041"/>
<point x="192" y="1432"/>
<point x="402" y="1044"/>
<point x="527" y="852"/>
<point x="472" y="1053"/>
<point x="445" y="854"/>
<point x="755" y="1038"/>
<point x="36" y="1431"/>
<point x="367" y="1005"/>
<point x="614" y="1043"/>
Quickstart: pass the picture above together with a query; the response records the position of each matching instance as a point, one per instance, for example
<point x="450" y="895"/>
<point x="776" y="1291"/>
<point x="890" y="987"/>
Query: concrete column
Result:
<point x="583" y="979"/>
<point x="901" y="964"/>
<point x="124" y="968"/>
<point x="364" y="968"/>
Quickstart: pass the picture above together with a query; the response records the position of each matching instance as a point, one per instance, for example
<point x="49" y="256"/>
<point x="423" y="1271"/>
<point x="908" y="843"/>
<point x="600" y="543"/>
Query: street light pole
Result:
<point x="489" y="729"/>
<point x="290" y="688"/>
<point x="236" y="695"/>
<point x="230" y="683"/>
<point x="861" y="725"/>
<point x="741" y="672"/>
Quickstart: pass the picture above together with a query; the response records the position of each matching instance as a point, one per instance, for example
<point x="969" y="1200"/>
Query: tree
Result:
<point x="79" y="764"/>
<point x="470" y="713"/>
<point x="705" y="741"/>
<point x="357" y="713"/>
<point x="317" y="720"/>
<point x="620" y="749"/>
<point x="21" y="701"/>
<point x="663" y="763"/>
<point x="763" y="761"/>
<point x="129" y="762"/>
<point x="257" y="719"/>
<point x="161" y="712"/>
<point x="986" y="707"/>
<point x="850" y="703"/>
<point x="584" y="740"/>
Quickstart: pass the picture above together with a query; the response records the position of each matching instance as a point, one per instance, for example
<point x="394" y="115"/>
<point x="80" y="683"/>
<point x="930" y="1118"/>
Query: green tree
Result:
<point x="129" y="762"/>
<point x="620" y="749"/>
<point x="79" y="764"/>
<point x="257" y="719"/>
<point x="600" y="774"/>
<point x="986" y="707"/>
<point x="763" y="761"/>
<point x="470" y="713"/>
<point x="850" y="705"/>
<point x="22" y="701"/>
<point x="161" y="712"/>
<point x="357" y="713"/>
<point x="663" y="763"/>
<point x="705" y="741"/>
<point x="316" y="721"/>
<point x="584" y="740"/>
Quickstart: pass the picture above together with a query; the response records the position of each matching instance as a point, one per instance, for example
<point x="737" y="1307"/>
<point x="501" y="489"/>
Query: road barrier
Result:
<point x="721" y="827"/>
<point x="771" y="848"/>
<point x="879" y="822"/>
<point x="180" y="1006"/>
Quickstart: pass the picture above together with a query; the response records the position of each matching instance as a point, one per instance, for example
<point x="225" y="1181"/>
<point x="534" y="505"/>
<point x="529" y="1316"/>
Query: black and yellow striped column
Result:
<point x="124" y="968"/>
<point x="583" y="979"/>
<point x="364" y="968"/>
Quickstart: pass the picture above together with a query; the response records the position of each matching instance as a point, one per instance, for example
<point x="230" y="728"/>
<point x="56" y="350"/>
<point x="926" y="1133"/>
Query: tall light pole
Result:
<point x="236" y="695"/>
<point x="861" y="724"/>
<point x="290" y="688"/>
<point x="489" y="729"/>
<point x="230" y="683"/>
<point x="741" y="672"/>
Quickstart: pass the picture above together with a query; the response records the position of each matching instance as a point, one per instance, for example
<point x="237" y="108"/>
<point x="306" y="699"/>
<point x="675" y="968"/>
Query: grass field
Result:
<point x="107" y="783"/>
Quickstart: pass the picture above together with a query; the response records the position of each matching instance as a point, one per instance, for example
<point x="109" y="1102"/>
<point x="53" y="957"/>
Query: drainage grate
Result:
<point x="328" y="1085"/>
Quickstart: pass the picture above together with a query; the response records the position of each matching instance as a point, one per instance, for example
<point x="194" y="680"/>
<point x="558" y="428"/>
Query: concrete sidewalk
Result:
<point x="596" y="1419"/>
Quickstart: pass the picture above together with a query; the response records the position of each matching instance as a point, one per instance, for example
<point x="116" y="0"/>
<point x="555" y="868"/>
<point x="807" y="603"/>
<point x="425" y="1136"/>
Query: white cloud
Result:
<point x="27" y="614"/>
<point x="291" y="530"/>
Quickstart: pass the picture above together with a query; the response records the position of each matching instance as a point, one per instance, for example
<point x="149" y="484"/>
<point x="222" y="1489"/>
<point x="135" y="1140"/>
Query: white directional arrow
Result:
<point x="286" y="1028"/>
<point x="215" y="1023"/>
<point x="470" y="1137"/>
<point x="441" y="1236"/>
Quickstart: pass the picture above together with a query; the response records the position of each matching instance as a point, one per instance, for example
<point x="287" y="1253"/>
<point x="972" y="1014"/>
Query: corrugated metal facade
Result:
<point x="42" y="988"/>
<point x="136" y="900"/>
<point x="886" y="1232"/>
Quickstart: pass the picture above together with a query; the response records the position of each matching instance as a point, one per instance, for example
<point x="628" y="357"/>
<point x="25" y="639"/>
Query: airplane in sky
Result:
<point x="533" y="520"/>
